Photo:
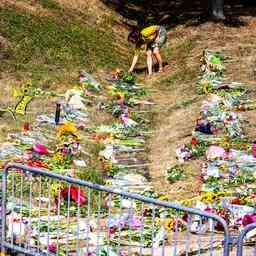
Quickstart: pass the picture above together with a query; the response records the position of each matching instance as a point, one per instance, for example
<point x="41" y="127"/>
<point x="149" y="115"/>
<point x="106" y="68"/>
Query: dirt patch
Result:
<point x="31" y="6"/>
<point x="89" y="5"/>
<point x="5" y="47"/>
<point x="4" y="43"/>
<point x="94" y="10"/>
<point x="173" y="128"/>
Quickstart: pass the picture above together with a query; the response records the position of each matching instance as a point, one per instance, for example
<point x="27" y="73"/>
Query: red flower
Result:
<point x="75" y="195"/>
<point x="225" y="214"/>
<point x="112" y="231"/>
<point x="194" y="141"/>
<point x="236" y="201"/>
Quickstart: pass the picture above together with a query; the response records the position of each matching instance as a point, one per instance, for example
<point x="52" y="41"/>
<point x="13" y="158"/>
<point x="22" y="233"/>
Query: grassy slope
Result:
<point x="49" y="41"/>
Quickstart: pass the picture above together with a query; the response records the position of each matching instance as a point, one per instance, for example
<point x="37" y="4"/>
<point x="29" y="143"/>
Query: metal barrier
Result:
<point x="240" y="243"/>
<point x="44" y="213"/>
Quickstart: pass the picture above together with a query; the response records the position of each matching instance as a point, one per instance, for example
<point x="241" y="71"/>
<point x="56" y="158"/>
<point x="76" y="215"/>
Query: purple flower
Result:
<point x="135" y="222"/>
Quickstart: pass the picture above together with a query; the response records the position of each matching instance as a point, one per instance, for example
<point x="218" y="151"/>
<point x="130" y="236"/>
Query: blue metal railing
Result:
<point x="31" y="175"/>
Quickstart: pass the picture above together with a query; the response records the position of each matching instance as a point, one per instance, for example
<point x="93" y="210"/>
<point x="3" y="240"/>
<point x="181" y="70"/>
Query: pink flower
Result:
<point x="248" y="219"/>
<point x="40" y="149"/>
<point x="135" y="222"/>
<point x="123" y="253"/>
<point x="52" y="248"/>
<point x="210" y="210"/>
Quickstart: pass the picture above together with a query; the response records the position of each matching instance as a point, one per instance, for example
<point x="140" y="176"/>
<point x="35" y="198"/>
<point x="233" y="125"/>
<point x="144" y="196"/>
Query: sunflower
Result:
<point x="68" y="129"/>
<point x="169" y="224"/>
<point x="225" y="142"/>
<point x="205" y="88"/>
<point x="119" y="95"/>
<point x="55" y="188"/>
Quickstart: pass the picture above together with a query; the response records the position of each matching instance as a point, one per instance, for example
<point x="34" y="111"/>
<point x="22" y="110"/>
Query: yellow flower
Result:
<point x="28" y="84"/>
<point x="108" y="166"/>
<point x="223" y="167"/>
<point x="108" y="182"/>
<point x="190" y="202"/>
<point x="247" y="146"/>
<point x="164" y="198"/>
<point x="205" y="86"/>
<point x="169" y="224"/>
<point x="55" y="187"/>
<point x="58" y="158"/>
<point x="110" y="136"/>
<point x="119" y="95"/>
<point x="158" y="222"/>
<point x="210" y="197"/>
<point x="68" y="129"/>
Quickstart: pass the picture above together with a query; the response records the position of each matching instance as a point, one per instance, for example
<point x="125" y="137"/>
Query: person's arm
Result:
<point x="134" y="61"/>
<point x="157" y="40"/>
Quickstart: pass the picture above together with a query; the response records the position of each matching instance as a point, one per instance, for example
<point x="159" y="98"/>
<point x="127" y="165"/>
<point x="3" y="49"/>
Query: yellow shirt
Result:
<point x="148" y="35"/>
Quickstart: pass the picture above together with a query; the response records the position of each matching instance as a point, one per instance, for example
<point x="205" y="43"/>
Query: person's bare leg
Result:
<point x="159" y="58"/>
<point x="149" y="62"/>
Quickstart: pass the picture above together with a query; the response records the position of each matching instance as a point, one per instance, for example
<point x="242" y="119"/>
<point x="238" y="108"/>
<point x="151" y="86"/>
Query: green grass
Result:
<point x="186" y="72"/>
<point x="184" y="75"/>
<point x="51" y="5"/>
<point x="50" y="46"/>
<point x="92" y="175"/>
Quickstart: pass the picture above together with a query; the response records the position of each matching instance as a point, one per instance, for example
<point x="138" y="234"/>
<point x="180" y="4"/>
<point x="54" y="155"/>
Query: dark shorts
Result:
<point x="162" y="37"/>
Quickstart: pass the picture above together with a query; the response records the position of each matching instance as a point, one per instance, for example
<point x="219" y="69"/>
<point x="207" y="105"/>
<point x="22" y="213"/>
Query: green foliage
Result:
<point x="91" y="175"/>
<point x="182" y="76"/>
<point x="176" y="173"/>
<point x="199" y="149"/>
<point x="212" y="185"/>
<point x="242" y="179"/>
<point x="115" y="109"/>
<point x="96" y="148"/>
<point x="115" y="169"/>
<point x="128" y="78"/>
